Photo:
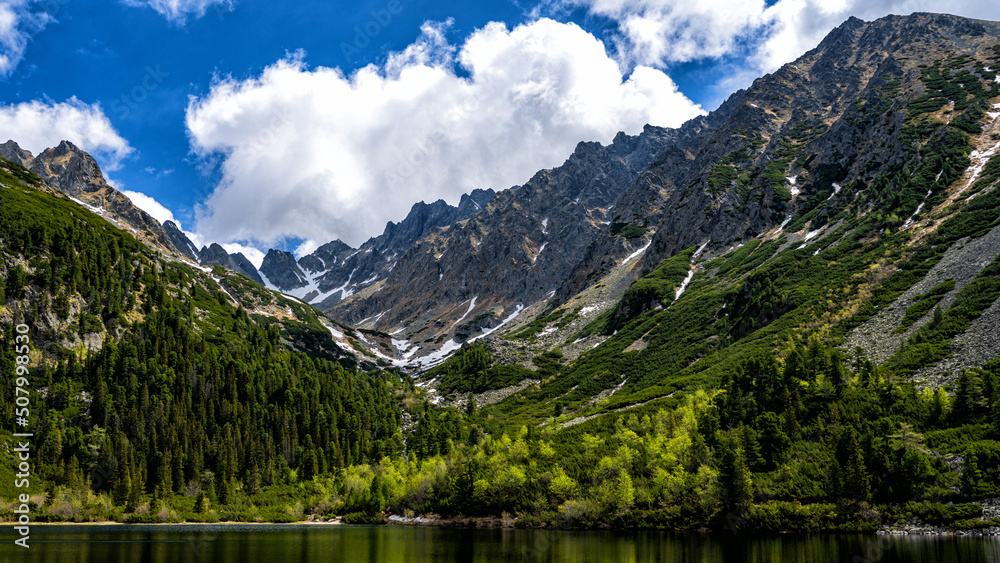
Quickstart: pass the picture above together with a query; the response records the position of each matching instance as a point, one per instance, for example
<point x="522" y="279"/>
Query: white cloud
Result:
<point x="177" y="11"/>
<point x="315" y="154"/>
<point x="38" y="125"/>
<point x="17" y="24"/>
<point x="150" y="205"/>
<point x="664" y="32"/>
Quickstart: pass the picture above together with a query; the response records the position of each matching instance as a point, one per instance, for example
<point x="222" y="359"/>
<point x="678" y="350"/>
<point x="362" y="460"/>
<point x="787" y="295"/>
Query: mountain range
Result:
<point x="783" y="314"/>
<point x="793" y="158"/>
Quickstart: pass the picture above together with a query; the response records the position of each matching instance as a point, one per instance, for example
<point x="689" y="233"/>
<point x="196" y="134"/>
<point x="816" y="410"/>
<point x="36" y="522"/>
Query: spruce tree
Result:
<point x="735" y="482"/>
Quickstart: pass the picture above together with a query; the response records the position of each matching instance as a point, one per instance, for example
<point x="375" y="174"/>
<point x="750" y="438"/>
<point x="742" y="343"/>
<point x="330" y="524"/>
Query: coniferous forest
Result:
<point x="723" y="392"/>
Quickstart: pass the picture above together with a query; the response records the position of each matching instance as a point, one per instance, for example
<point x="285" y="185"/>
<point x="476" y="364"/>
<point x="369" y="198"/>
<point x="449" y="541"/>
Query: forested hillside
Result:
<point x="807" y="341"/>
<point x="152" y="383"/>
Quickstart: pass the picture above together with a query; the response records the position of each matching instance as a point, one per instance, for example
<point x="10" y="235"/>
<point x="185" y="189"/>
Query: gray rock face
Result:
<point x="325" y="257"/>
<point x="14" y="153"/>
<point x="336" y="265"/>
<point x="564" y="228"/>
<point x="826" y="93"/>
<point x="519" y="248"/>
<point x="75" y="173"/>
<point x="180" y="240"/>
<point x="69" y="170"/>
<point x="242" y="264"/>
<point x="282" y="271"/>
<point x="215" y="255"/>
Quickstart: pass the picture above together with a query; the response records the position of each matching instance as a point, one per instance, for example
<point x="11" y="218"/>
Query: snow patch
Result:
<point x="539" y="251"/>
<point x="836" y="189"/>
<point x="697" y="253"/>
<point x="406" y="350"/>
<point x="637" y="253"/>
<point x="793" y="186"/>
<point x="812" y="234"/>
<point x="684" y="284"/>
<point x="545" y="226"/>
<point x="472" y="305"/>
<point x="588" y="309"/>
<point x="979" y="160"/>
<point x="785" y="222"/>
<point x="336" y="334"/>
<point x="917" y="212"/>
<point x="687" y="280"/>
<point x="438" y="356"/>
<point x="486" y="332"/>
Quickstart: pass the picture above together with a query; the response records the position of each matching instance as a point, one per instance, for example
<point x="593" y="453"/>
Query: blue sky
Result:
<point x="267" y="124"/>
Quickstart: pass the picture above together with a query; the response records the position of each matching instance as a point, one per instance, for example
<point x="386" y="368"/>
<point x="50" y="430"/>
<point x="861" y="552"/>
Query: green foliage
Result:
<point x="472" y="369"/>
<point x="936" y="513"/>
<point x="185" y="384"/>
<point x="721" y="178"/>
<point x="538" y="324"/>
<point x="364" y="518"/>
<point x="930" y="343"/>
<point x="627" y="230"/>
<point x="654" y="289"/>
<point x="923" y="303"/>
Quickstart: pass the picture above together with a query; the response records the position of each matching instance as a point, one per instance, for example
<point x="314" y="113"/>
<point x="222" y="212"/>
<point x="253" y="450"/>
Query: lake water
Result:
<point x="239" y="543"/>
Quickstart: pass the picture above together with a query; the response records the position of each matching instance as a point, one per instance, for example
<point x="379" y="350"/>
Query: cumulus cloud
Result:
<point x="665" y="32"/>
<point x="150" y="205"/>
<point x="177" y="11"/>
<point x="317" y="155"/>
<point x="38" y="125"/>
<point x="18" y="22"/>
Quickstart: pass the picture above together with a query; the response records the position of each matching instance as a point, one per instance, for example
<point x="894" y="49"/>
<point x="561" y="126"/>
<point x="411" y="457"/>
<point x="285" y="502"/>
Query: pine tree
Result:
<point x="735" y="482"/>
<point x="970" y="400"/>
<point x="849" y="474"/>
<point x="123" y="486"/>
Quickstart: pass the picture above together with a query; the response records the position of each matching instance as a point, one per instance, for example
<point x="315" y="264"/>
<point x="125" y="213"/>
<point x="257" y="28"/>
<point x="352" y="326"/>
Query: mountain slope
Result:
<point x="474" y="275"/>
<point x="150" y="379"/>
<point x="830" y="200"/>
<point x="76" y="174"/>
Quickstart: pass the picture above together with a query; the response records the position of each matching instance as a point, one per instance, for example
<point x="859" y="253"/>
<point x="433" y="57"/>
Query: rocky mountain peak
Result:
<point x="180" y="240"/>
<point x="14" y="153"/>
<point x="69" y="169"/>
<point x="216" y="255"/>
<point x="280" y="268"/>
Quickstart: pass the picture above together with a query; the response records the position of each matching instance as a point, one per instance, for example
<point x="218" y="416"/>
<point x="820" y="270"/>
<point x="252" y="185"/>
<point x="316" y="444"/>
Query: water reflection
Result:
<point x="294" y="543"/>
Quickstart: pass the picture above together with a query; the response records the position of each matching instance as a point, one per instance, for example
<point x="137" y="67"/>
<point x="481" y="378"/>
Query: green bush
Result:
<point x="364" y="518"/>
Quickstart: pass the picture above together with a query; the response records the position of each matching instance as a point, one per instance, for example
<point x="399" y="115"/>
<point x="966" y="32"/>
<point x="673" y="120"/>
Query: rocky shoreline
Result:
<point x="914" y="527"/>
